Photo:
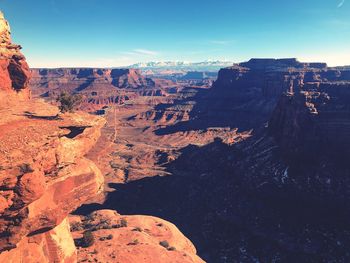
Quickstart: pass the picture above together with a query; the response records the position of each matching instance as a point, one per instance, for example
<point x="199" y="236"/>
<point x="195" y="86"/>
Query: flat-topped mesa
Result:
<point x="283" y="63"/>
<point x="14" y="70"/>
<point x="255" y="87"/>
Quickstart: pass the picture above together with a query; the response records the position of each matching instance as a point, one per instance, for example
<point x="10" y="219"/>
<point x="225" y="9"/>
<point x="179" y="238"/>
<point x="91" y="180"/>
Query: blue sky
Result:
<point x="105" y="33"/>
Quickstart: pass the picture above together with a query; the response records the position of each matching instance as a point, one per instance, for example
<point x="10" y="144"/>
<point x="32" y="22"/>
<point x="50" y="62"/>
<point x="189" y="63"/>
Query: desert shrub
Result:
<point x="164" y="243"/>
<point x="76" y="226"/>
<point x="109" y="237"/>
<point x="68" y="102"/>
<point x="26" y="168"/>
<point x="88" y="238"/>
<point x="123" y="222"/>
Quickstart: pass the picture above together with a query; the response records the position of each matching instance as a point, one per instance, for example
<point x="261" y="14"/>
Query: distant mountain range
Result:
<point x="183" y="65"/>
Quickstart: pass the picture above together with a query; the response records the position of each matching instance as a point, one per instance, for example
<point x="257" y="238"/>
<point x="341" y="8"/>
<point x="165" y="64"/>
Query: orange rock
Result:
<point x="138" y="240"/>
<point x="55" y="245"/>
<point x="41" y="189"/>
<point x="31" y="186"/>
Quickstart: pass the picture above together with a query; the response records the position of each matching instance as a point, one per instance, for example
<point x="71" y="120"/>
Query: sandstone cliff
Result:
<point x="44" y="176"/>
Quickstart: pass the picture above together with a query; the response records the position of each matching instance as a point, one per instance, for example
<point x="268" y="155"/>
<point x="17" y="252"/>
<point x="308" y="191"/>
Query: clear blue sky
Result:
<point x="121" y="32"/>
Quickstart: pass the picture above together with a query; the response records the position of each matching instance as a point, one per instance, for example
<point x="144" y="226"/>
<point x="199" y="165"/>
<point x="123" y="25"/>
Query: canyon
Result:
<point x="250" y="164"/>
<point x="237" y="160"/>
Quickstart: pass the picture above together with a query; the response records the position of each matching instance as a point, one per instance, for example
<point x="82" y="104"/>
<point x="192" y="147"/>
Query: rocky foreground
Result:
<point x="44" y="176"/>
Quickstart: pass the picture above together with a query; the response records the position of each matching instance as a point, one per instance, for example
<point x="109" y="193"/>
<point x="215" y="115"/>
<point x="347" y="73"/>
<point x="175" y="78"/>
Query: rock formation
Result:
<point x="44" y="176"/>
<point x="131" y="239"/>
<point x="14" y="70"/>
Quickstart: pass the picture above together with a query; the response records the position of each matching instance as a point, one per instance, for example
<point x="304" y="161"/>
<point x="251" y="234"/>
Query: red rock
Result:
<point x="137" y="241"/>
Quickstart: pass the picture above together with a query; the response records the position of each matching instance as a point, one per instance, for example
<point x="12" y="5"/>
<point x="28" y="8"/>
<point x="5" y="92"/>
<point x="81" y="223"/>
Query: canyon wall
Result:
<point x="97" y="87"/>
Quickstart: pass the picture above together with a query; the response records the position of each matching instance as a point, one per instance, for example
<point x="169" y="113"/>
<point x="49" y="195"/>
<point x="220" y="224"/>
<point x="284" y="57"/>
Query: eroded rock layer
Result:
<point x="44" y="176"/>
<point x="98" y="87"/>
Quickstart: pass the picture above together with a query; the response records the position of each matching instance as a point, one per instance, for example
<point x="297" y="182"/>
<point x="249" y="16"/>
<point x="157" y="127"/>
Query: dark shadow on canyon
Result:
<point x="215" y="207"/>
<point x="212" y="109"/>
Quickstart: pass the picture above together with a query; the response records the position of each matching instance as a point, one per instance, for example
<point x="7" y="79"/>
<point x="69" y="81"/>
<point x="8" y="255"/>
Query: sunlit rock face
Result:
<point x="44" y="174"/>
<point x="14" y="70"/>
<point x="139" y="239"/>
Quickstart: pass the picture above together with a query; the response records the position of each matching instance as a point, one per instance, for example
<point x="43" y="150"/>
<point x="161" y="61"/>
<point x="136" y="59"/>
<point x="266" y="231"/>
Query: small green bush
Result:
<point x="88" y="239"/>
<point x="68" y="102"/>
<point x="26" y="168"/>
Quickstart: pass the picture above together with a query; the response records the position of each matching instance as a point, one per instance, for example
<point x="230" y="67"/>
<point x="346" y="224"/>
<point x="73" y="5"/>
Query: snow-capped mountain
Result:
<point x="208" y="65"/>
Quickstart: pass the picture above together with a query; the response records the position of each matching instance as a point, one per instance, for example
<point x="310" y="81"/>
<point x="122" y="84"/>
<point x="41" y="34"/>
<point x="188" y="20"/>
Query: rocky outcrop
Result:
<point x="14" y="70"/>
<point x="44" y="176"/>
<point x="131" y="239"/>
